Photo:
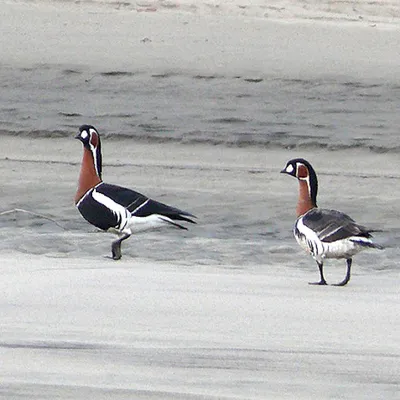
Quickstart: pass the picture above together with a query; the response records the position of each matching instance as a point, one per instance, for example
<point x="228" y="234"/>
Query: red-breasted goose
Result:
<point x="324" y="233"/>
<point x="115" y="208"/>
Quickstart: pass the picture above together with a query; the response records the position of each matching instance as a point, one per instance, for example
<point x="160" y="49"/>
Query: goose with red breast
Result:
<point x="115" y="208"/>
<point x="324" y="233"/>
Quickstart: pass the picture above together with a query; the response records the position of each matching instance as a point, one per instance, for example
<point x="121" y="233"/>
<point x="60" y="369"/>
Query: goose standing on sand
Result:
<point x="324" y="233"/>
<point x="115" y="208"/>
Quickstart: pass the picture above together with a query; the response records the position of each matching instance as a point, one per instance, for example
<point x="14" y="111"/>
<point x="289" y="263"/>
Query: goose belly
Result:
<point x="344" y="248"/>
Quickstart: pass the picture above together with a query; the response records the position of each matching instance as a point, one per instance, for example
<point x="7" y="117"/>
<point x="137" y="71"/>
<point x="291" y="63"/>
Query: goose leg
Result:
<point x="116" y="247"/>
<point x="321" y="273"/>
<point x="348" y="273"/>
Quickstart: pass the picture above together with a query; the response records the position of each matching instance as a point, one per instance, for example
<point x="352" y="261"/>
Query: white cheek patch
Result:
<point x="289" y="169"/>
<point x="84" y="134"/>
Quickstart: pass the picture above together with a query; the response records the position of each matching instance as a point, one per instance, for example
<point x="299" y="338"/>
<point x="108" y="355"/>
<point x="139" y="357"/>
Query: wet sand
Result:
<point x="223" y="310"/>
<point x="77" y="325"/>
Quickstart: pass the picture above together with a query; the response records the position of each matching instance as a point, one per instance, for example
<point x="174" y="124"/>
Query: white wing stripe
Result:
<point x="326" y="232"/>
<point x="138" y="208"/>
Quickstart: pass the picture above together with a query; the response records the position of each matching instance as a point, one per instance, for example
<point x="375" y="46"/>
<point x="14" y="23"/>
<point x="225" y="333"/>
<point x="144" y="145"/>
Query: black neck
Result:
<point x="313" y="185"/>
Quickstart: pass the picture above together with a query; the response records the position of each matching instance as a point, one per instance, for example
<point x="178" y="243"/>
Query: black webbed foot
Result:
<point x="343" y="283"/>
<point x="338" y="284"/>
<point x="318" y="283"/>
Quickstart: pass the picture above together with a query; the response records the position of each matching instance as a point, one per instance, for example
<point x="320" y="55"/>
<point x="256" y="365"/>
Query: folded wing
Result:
<point x="141" y="206"/>
<point x="332" y="225"/>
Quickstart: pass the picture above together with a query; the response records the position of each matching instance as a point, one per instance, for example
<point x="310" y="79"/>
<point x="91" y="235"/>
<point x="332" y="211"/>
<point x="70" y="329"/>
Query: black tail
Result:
<point x="177" y="225"/>
<point x="183" y="217"/>
<point x="371" y="245"/>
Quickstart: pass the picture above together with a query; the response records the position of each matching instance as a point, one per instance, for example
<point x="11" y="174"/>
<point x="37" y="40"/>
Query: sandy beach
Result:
<point x="75" y="329"/>
<point x="222" y="311"/>
<point x="107" y="39"/>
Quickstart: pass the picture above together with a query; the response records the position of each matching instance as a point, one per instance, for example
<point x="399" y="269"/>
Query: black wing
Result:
<point x="332" y="225"/>
<point x="141" y="206"/>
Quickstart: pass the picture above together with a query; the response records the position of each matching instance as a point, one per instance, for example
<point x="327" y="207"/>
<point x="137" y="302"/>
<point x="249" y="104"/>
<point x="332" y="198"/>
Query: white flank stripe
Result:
<point x="311" y="241"/>
<point x="116" y="208"/>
